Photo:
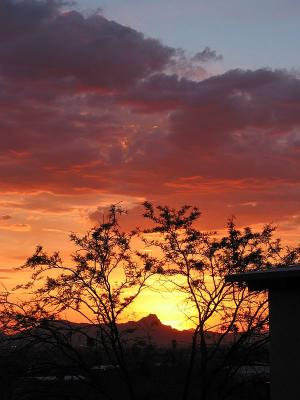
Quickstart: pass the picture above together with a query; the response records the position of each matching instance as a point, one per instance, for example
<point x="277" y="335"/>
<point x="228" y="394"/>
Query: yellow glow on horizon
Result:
<point x="165" y="304"/>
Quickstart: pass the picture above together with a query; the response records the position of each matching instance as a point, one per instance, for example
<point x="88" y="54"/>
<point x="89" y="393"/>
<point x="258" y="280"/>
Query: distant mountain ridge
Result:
<point x="149" y="330"/>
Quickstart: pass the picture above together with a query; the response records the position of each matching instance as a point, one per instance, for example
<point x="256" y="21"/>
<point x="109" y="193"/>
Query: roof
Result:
<point x="268" y="278"/>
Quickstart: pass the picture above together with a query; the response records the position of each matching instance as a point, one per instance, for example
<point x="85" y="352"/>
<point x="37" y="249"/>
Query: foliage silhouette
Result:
<point x="196" y="263"/>
<point x="105" y="277"/>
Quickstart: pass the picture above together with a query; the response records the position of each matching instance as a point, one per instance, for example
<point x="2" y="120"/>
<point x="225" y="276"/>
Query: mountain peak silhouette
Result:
<point x="151" y="319"/>
<point x="149" y="328"/>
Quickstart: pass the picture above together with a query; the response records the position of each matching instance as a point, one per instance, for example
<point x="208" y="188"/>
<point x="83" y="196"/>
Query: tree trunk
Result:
<point x="190" y="366"/>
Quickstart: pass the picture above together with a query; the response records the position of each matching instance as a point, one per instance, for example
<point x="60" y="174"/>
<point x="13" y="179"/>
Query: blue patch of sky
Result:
<point x="249" y="34"/>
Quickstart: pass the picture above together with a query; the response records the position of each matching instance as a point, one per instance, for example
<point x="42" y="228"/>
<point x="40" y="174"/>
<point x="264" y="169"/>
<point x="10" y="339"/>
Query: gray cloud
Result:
<point x="207" y="55"/>
<point x="75" y="50"/>
<point x="24" y="17"/>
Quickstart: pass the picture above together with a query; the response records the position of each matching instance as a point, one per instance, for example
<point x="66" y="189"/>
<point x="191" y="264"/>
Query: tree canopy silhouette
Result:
<point x="196" y="263"/>
<point x="104" y="278"/>
<point x="106" y="275"/>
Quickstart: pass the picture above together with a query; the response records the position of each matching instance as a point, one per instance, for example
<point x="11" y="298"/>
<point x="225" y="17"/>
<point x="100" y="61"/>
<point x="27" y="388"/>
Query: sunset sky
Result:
<point x="174" y="102"/>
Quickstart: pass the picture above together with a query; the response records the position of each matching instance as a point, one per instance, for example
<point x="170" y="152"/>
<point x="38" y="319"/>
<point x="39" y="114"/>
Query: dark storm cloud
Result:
<point x="89" y="51"/>
<point x="241" y="122"/>
<point x="24" y="17"/>
<point x="221" y="107"/>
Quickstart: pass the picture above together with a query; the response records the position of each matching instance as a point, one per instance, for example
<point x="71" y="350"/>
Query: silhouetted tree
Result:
<point x="197" y="263"/>
<point x="104" y="278"/>
<point x="106" y="275"/>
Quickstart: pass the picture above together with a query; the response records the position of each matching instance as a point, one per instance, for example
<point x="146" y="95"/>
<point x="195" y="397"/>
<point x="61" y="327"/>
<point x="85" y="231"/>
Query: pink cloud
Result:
<point x="90" y="106"/>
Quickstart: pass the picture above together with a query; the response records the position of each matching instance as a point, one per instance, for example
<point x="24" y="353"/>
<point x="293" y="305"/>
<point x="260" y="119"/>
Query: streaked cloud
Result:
<point x="16" y="227"/>
<point x="5" y="217"/>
